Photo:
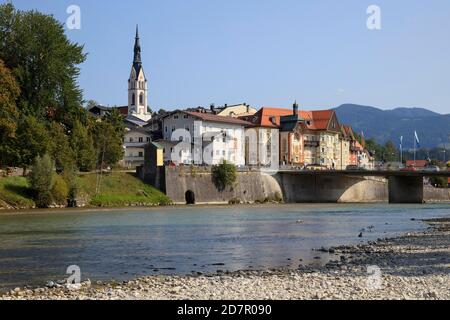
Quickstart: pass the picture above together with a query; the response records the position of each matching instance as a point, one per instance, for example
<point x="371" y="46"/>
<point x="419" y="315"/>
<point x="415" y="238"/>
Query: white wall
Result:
<point x="228" y="141"/>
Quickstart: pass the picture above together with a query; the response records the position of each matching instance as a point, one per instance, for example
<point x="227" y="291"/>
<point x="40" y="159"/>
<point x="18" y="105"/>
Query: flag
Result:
<point x="416" y="137"/>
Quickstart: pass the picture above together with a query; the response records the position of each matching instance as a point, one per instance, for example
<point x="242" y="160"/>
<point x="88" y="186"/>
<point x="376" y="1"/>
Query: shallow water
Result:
<point x="121" y="244"/>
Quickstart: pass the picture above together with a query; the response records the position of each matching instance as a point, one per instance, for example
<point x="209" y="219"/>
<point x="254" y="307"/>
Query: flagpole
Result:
<point x="414" y="149"/>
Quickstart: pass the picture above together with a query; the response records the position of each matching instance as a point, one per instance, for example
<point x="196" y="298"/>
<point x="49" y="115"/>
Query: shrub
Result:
<point x="439" y="182"/>
<point x="41" y="181"/>
<point x="60" y="190"/>
<point x="73" y="186"/>
<point x="224" y="175"/>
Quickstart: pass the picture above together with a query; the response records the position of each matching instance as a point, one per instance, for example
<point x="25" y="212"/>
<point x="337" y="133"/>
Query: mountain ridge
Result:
<point x="383" y="125"/>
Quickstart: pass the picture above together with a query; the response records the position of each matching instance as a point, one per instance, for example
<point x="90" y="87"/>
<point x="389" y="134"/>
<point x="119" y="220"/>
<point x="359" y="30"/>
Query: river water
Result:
<point x="122" y="244"/>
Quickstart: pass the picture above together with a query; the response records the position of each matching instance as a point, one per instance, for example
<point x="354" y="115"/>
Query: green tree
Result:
<point x="83" y="147"/>
<point x="60" y="190"/>
<point x="59" y="147"/>
<point x="108" y="144"/>
<point x="44" y="62"/>
<point x="224" y="175"/>
<point x="73" y="186"/>
<point x="31" y="140"/>
<point x="9" y="91"/>
<point x="41" y="180"/>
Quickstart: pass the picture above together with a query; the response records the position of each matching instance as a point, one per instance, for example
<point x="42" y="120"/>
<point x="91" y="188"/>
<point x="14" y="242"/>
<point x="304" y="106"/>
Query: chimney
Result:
<point x="295" y="108"/>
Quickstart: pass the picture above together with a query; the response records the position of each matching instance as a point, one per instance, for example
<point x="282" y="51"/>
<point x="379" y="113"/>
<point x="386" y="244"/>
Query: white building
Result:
<point x="204" y="138"/>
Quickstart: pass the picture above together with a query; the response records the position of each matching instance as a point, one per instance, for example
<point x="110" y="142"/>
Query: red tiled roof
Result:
<point x="263" y="118"/>
<point x="359" y="146"/>
<point x="349" y="131"/>
<point x="216" y="118"/>
<point x="316" y="120"/>
<point x="418" y="163"/>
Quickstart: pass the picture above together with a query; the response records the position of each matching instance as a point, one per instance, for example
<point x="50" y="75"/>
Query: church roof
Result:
<point x="135" y="121"/>
<point x="137" y="60"/>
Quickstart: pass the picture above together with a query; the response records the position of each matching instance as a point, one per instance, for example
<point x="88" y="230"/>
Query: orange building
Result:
<point x="306" y="137"/>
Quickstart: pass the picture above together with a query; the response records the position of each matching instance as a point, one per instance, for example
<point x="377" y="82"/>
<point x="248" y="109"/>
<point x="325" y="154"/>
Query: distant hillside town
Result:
<point x="239" y="134"/>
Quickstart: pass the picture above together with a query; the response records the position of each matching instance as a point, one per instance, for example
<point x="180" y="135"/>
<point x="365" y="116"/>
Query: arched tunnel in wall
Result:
<point x="190" y="197"/>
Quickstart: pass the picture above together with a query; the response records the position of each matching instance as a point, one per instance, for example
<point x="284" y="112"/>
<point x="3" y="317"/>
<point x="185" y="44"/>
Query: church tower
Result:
<point x="137" y="86"/>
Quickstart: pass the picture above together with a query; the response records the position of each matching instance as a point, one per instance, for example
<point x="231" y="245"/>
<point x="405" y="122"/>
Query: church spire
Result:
<point x="137" y="62"/>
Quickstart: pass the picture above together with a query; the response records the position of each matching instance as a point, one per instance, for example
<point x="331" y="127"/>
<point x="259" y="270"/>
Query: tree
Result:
<point x="60" y="190"/>
<point x="9" y="91"/>
<point x="31" y="140"/>
<point x="224" y="175"/>
<point x="59" y="147"/>
<point x="83" y="147"/>
<point x="108" y="144"/>
<point x="41" y="181"/>
<point x="44" y="62"/>
<point x="72" y="181"/>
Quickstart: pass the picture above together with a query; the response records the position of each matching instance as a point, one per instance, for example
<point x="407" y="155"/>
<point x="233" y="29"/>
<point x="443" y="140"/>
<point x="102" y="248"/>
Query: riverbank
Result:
<point x="412" y="266"/>
<point x="112" y="190"/>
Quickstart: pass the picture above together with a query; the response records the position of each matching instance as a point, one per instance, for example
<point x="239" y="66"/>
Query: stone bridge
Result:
<point x="331" y="185"/>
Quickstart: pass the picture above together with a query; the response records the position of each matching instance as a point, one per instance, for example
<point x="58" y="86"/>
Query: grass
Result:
<point x="15" y="192"/>
<point x="119" y="189"/>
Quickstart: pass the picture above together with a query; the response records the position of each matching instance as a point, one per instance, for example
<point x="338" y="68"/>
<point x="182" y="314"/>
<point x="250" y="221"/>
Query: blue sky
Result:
<point x="265" y="52"/>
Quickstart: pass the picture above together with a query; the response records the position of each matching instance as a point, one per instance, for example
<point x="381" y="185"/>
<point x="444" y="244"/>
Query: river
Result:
<point x="123" y="244"/>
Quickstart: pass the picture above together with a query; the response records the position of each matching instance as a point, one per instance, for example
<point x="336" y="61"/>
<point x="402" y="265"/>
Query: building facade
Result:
<point x="203" y="138"/>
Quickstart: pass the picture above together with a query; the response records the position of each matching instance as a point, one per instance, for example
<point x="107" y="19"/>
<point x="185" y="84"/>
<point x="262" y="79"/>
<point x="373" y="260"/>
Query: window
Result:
<point x="175" y="116"/>
<point x="165" y="129"/>
<point x="133" y="100"/>
<point x="141" y="154"/>
<point x="148" y="139"/>
<point x="131" y="139"/>
<point x="223" y="152"/>
<point x="141" y="139"/>
<point x="187" y="127"/>
<point x="185" y="116"/>
<point x="173" y="128"/>
<point x="141" y="99"/>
